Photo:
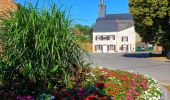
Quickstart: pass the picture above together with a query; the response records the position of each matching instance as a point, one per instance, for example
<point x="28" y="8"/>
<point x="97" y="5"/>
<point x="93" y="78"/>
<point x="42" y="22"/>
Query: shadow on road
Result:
<point x="136" y="55"/>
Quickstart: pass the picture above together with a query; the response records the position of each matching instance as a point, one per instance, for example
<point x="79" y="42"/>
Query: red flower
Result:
<point x="69" y="94"/>
<point x="90" y="97"/>
<point x="103" y="98"/>
<point x="97" y="84"/>
<point x="111" y="93"/>
<point x="105" y="85"/>
<point x="112" y="85"/>
<point x="117" y="90"/>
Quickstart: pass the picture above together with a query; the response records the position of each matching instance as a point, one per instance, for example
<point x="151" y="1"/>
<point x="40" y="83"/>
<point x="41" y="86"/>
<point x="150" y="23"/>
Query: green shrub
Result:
<point x="39" y="50"/>
<point x="84" y="38"/>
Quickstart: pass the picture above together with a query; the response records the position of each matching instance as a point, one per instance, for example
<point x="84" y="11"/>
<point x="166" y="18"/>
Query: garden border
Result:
<point x="166" y="93"/>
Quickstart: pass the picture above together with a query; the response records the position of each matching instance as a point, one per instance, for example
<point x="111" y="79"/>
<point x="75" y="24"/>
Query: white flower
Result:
<point x="52" y="97"/>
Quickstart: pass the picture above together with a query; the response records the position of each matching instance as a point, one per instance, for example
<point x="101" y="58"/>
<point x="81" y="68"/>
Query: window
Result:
<point x="108" y="37"/>
<point x="105" y="37"/>
<point x="112" y="37"/>
<point x="111" y="47"/>
<point x="101" y="37"/>
<point x="98" y="37"/>
<point x="124" y="39"/>
<point x="124" y="47"/>
<point x="98" y="47"/>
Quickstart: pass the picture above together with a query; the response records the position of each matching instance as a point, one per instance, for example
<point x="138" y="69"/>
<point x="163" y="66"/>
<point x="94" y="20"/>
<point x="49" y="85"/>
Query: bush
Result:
<point x="40" y="53"/>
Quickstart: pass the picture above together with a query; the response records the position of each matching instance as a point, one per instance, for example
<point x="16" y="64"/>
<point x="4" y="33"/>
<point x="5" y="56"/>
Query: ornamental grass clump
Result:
<point x="40" y="53"/>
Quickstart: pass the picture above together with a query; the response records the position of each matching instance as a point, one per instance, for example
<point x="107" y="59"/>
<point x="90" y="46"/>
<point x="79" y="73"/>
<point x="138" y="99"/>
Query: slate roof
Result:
<point x="109" y="23"/>
<point x="105" y="26"/>
<point x="117" y="16"/>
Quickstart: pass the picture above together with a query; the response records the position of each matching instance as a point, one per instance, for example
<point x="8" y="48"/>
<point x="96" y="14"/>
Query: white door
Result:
<point x="104" y="48"/>
<point x="124" y="48"/>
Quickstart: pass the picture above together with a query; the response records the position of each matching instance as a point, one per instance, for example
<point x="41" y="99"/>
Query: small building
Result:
<point x="113" y="33"/>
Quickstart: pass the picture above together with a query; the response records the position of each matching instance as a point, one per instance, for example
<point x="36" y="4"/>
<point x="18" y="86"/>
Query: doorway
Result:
<point x="104" y="48"/>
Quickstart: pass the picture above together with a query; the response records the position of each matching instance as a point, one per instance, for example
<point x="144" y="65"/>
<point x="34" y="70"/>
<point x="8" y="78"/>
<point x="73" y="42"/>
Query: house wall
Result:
<point x="103" y="42"/>
<point x="130" y="33"/>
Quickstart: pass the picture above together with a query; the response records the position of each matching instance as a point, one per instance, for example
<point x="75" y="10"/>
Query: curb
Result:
<point x="166" y="94"/>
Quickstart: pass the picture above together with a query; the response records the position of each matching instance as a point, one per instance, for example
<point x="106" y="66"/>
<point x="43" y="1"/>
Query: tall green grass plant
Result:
<point x="40" y="53"/>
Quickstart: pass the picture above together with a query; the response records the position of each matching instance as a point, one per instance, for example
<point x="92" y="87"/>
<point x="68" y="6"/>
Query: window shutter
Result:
<point x="108" y="37"/>
<point x="127" y="47"/>
<point x="95" y="47"/>
<point x="101" y="37"/>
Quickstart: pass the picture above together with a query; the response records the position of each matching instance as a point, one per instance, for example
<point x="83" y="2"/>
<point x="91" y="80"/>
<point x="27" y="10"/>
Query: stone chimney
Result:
<point x="102" y="9"/>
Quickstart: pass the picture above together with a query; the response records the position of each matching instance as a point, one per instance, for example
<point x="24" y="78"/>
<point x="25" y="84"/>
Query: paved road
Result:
<point x="136" y="63"/>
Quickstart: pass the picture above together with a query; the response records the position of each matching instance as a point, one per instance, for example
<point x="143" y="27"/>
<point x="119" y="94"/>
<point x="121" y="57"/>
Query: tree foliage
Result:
<point x="152" y="20"/>
<point x="84" y="33"/>
<point x="86" y="30"/>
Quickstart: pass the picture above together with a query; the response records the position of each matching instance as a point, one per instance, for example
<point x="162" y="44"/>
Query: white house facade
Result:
<point x="113" y="33"/>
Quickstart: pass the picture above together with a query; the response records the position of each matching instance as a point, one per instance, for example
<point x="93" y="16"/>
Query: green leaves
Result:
<point x="42" y="43"/>
<point x="148" y="21"/>
<point x="54" y="69"/>
<point x="150" y="17"/>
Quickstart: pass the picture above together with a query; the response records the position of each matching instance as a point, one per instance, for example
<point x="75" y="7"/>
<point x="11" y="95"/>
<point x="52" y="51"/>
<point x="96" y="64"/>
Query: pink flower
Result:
<point x="79" y="94"/>
<point x="18" y="98"/>
<point x="136" y="93"/>
<point x="81" y="89"/>
<point x="133" y="88"/>
<point x="129" y="92"/>
<point x="128" y="98"/>
<point x="30" y="98"/>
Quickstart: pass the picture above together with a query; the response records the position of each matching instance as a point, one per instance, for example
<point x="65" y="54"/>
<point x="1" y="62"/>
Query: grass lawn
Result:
<point x="158" y="58"/>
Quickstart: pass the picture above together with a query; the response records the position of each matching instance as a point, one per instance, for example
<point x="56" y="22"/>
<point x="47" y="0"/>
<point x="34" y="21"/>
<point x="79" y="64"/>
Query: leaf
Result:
<point x="54" y="69"/>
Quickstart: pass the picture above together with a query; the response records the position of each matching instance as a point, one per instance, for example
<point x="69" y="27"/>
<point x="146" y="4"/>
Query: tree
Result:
<point x="152" y="20"/>
<point x="86" y="30"/>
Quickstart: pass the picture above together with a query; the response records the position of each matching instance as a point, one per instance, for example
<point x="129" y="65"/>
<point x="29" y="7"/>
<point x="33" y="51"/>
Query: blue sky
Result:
<point x="85" y="12"/>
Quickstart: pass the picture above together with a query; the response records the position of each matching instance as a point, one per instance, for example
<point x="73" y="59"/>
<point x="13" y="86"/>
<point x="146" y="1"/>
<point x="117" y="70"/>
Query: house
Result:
<point x="113" y="33"/>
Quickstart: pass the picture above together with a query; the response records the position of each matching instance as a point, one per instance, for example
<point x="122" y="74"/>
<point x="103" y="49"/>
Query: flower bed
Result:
<point x="108" y="84"/>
